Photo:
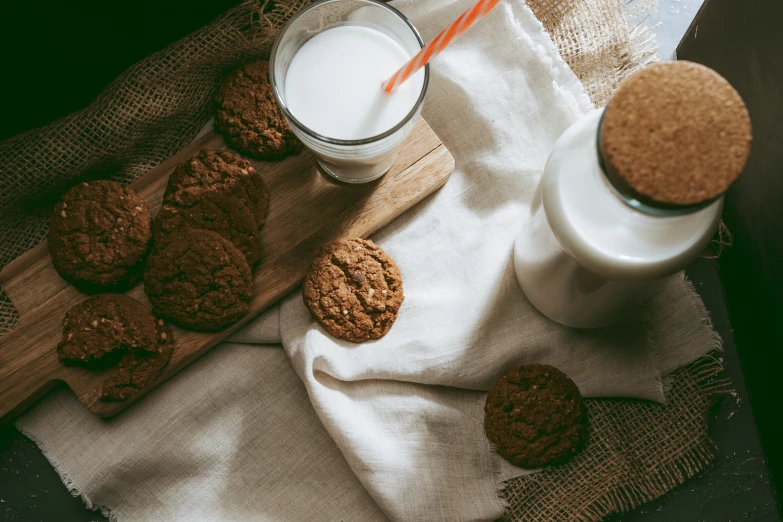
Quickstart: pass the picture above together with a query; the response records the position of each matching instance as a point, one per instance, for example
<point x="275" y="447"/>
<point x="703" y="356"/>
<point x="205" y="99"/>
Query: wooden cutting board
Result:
<point x="307" y="209"/>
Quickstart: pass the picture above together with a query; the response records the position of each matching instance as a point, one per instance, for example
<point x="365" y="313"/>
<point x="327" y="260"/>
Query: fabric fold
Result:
<point x="407" y="410"/>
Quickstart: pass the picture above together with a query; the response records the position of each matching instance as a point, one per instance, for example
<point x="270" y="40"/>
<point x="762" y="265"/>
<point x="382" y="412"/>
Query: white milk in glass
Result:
<point x="333" y="90"/>
<point x="333" y="85"/>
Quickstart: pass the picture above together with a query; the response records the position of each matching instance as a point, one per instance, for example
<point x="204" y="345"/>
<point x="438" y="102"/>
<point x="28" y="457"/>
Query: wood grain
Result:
<point x="307" y="209"/>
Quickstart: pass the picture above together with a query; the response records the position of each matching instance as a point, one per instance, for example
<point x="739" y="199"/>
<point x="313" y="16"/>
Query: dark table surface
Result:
<point x="736" y="487"/>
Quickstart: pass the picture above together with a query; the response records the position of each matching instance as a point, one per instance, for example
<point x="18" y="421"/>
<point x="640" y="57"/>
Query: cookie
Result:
<point x="248" y="116"/>
<point x="99" y="235"/>
<point x="354" y="289"/>
<point x="224" y="211"/>
<point x="101" y="329"/>
<point x="219" y="170"/>
<point x="535" y="416"/>
<point x="199" y="280"/>
<point x="675" y="134"/>
<point x="138" y="369"/>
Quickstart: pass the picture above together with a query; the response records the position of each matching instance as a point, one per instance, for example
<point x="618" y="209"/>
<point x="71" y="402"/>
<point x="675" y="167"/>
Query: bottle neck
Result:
<point x="632" y="198"/>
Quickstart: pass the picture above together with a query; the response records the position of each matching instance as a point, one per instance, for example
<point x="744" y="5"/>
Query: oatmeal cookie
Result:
<point x="354" y="289"/>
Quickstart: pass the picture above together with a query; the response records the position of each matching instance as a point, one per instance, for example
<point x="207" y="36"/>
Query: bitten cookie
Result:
<point x="535" y="416"/>
<point x="197" y="279"/>
<point x="99" y="235"/>
<point x="248" y="116"/>
<point x="138" y="369"/>
<point x="101" y="329"/>
<point x="220" y="171"/>
<point x="354" y="289"/>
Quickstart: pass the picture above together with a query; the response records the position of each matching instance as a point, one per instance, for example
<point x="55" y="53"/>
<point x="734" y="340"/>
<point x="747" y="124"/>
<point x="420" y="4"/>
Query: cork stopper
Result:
<point x="675" y="134"/>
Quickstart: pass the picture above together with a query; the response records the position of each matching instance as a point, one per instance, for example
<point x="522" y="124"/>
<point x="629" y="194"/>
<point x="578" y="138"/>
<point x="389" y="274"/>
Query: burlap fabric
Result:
<point x="638" y="451"/>
<point x="147" y="114"/>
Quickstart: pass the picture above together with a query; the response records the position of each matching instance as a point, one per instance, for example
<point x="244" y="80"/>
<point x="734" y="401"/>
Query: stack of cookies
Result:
<point x="207" y="233"/>
<point x="206" y="239"/>
<point x="207" y="236"/>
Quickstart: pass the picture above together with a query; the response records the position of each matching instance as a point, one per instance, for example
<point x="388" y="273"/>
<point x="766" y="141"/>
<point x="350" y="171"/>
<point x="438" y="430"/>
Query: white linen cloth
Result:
<point x="233" y="437"/>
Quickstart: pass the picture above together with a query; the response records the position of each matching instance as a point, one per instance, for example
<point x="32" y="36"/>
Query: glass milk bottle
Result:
<point x="631" y="194"/>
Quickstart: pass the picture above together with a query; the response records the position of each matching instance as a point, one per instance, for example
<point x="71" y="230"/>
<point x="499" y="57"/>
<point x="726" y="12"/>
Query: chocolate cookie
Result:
<point x="197" y="279"/>
<point x="224" y="211"/>
<point x="99" y="235"/>
<point x="248" y="116"/>
<point x="221" y="170"/>
<point x="101" y="329"/>
<point x="138" y="369"/>
<point x="354" y="289"/>
<point x="535" y="416"/>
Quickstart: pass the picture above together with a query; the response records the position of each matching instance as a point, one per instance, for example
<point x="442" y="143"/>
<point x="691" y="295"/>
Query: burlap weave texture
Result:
<point x="157" y="107"/>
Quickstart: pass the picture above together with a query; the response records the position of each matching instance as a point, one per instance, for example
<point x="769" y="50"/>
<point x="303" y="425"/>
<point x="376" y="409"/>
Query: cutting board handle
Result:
<point x="26" y="373"/>
<point x="28" y="356"/>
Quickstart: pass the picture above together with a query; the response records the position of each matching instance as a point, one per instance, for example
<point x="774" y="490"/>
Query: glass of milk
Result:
<point x="326" y="69"/>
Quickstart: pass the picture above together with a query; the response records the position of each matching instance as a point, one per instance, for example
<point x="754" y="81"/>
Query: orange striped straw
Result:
<point x="432" y="49"/>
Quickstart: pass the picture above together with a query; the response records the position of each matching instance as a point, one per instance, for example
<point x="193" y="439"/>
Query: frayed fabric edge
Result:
<point x="704" y="314"/>
<point x="70" y="484"/>
<point x="578" y="103"/>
